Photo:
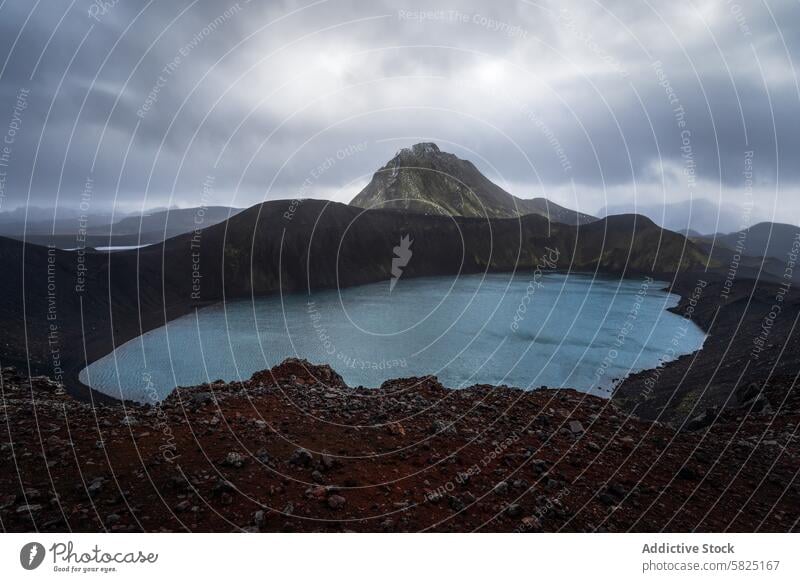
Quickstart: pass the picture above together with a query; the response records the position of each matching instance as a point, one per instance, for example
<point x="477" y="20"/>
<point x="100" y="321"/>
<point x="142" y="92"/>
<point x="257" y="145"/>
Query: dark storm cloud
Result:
<point x="260" y="94"/>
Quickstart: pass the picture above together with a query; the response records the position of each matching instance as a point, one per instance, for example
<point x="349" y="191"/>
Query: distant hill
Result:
<point x="425" y="180"/>
<point x="104" y="230"/>
<point x="46" y="221"/>
<point x="765" y="239"/>
<point x="695" y="217"/>
<point x="760" y="251"/>
<point x="169" y="223"/>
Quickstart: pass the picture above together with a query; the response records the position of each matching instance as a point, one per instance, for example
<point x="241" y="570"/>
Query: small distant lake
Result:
<point x="527" y="331"/>
<point x="117" y="248"/>
<point x="113" y="249"/>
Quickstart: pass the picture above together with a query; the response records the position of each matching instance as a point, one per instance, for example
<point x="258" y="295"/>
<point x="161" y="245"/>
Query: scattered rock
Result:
<point x="454" y="463"/>
<point x="441" y="427"/>
<point x="531" y="523"/>
<point x="95" y="487"/>
<point x="575" y="427"/>
<point x="201" y="398"/>
<point x="703" y="420"/>
<point x="221" y="486"/>
<point x="112" y="518"/>
<point x="259" y="518"/>
<point x="301" y="457"/>
<point x="328" y="462"/>
<point x="336" y="501"/>
<point x="396" y="429"/>
<point x="29" y="508"/>
<point x="32" y="494"/>
<point x="455" y="503"/>
<point x="234" y="459"/>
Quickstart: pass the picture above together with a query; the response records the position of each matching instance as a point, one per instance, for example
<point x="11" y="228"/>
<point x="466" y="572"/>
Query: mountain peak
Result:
<point x="425" y="180"/>
<point x="422" y="149"/>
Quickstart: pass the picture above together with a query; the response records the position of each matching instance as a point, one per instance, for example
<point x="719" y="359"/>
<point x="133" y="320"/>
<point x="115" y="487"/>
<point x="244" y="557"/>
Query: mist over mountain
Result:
<point x="425" y="180"/>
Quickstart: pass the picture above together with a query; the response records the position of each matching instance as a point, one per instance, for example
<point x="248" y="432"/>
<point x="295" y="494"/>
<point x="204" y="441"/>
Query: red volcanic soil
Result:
<point x="294" y="449"/>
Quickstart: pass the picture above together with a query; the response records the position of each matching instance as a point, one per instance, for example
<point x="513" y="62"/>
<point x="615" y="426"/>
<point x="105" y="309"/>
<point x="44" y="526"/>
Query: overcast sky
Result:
<point x="587" y="103"/>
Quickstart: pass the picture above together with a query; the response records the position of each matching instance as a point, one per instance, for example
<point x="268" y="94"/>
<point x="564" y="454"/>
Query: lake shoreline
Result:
<point x="132" y="292"/>
<point x="729" y="369"/>
<point x="84" y="392"/>
<point x="680" y="395"/>
<point x="717" y="318"/>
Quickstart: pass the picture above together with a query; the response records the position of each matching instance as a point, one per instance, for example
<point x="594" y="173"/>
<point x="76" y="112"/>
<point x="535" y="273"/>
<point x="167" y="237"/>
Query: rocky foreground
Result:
<point x="295" y="449"/>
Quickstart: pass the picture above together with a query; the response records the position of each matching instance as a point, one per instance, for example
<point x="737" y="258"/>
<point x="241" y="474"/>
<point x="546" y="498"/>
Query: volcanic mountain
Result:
<point x="425" y="180"/>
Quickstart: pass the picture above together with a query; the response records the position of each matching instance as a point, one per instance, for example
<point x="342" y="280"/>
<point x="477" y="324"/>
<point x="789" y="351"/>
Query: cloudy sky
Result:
<point x="591" y="104"/>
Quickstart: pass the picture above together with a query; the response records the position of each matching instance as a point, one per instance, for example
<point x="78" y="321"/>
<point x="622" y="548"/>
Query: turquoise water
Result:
<point x="530" y="330"/>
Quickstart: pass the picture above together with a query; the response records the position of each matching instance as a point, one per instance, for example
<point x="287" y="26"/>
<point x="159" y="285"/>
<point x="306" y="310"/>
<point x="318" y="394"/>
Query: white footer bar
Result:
<point x="385" y="557"/>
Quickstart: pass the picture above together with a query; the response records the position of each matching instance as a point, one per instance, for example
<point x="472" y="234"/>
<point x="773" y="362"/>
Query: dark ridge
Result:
<point x="286" y="246"/>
